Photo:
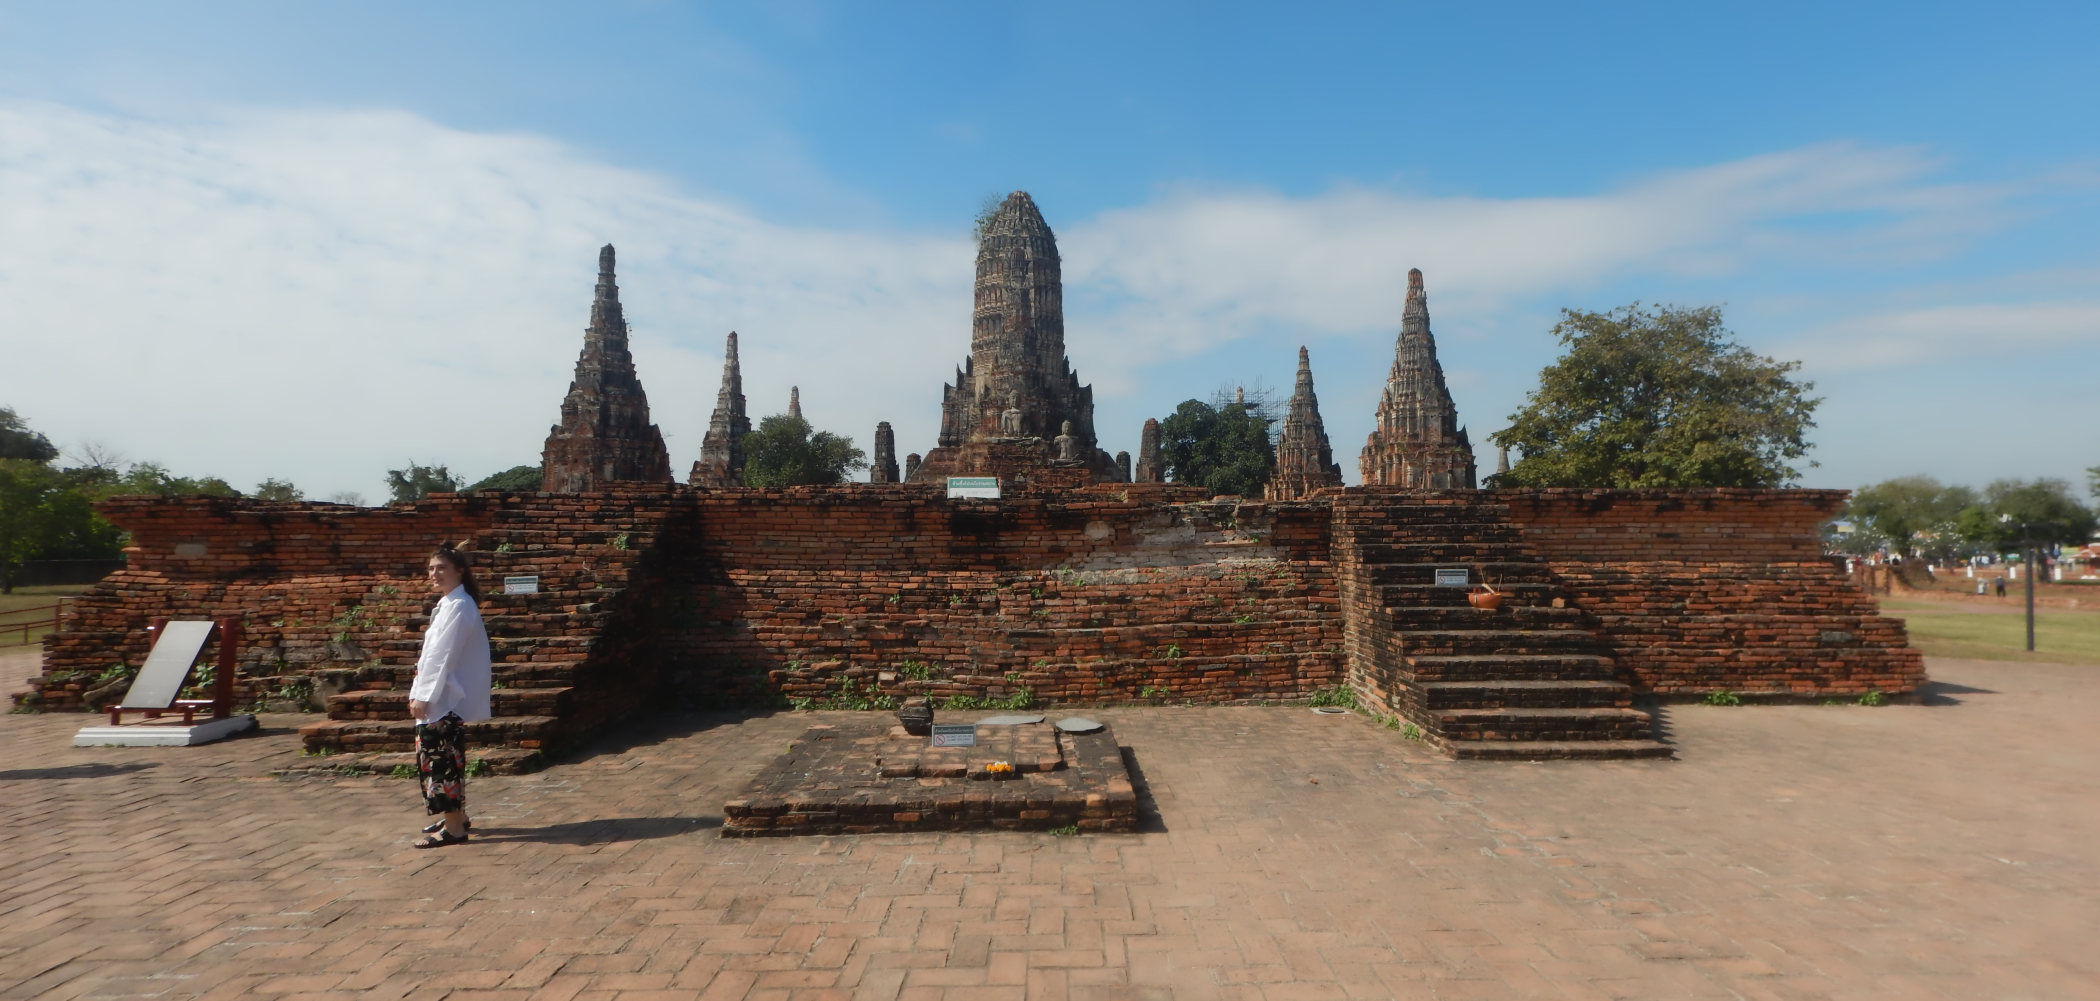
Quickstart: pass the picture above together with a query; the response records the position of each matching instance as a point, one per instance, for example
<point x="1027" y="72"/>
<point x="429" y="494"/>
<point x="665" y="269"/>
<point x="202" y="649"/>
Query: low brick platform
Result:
<point x="869" y="776"/>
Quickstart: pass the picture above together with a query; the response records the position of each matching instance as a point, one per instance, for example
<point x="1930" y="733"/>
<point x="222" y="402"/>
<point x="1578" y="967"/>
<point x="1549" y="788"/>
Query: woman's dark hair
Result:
<point x="450" y="554"/>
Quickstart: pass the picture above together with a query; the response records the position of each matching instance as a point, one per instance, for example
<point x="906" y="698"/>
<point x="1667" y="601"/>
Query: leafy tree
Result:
<point x="514" y="478"/>
<point x="417" y="481"/>
<point x="1657" y="398"/>
<point x="2048" y="509"/>
<point x="1222" y="449"/>
<point x="784" y="451"/>
<point x="18" y="442"/>
<point x="27" y="489"/>
<point x="1913" y="514"/>
<point x="100" y="481"/>
<point x="278" y="490"/>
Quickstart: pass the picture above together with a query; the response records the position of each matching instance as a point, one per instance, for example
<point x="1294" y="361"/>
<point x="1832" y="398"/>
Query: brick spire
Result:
<point x="1017" y="365"/>
<point x="1417" y="442"/>
<point x="1149" y="469"/>
<point x="884" y="468"/>
<point x="604" y="435"/>
<point x="722" y="450"/>
<point x="1304" y="460"/>
<point x="795" y="402"/>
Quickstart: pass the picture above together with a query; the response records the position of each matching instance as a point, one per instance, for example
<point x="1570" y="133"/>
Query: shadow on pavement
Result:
<point x="1148" y="818"/>
<point x="1941" y="693"/>
<point x="656" y="728"/>
<point x="93" y="771"/>
<point x="601" y="832"/>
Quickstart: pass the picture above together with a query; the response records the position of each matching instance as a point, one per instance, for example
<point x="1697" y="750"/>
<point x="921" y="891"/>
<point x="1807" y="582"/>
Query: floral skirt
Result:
<point x="441" y="762"/>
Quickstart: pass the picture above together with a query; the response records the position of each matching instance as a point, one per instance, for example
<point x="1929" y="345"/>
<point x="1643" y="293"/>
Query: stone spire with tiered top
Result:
<point x="1015" y="393"/>
<point x="722" y="450"/>
<point x="604" y="435"/>
<point x="1304" y="460"/>
<point x="1417" y="442"/>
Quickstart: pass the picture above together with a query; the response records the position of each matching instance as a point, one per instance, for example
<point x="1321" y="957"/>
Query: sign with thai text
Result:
<point x="974" y="486"/>
<point x="521" y="585"/>
<point x="1453" y="577"/>
<point x="962" y="735"/>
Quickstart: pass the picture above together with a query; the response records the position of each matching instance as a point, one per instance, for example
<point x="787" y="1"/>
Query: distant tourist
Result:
<point x="451" y="690"/>
<point x="2000" y="581"/>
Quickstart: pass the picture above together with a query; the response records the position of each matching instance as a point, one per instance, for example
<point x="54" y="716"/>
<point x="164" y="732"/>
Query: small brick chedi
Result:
<point x="1304" y="461"/>
<point x="722" y="449"/>
<point x="1016" y="393"/>
<point x="604" y="435"/>
<point x="1417" y="443"/>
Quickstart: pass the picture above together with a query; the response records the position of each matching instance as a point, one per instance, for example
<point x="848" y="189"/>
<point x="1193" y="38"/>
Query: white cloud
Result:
<point x="1913" y="337"/>
<point x="322" y="295"/>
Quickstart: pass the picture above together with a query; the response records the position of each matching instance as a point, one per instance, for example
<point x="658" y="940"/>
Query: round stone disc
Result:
<point x="1077" y="724"/>
<point x="1008" y="720"/>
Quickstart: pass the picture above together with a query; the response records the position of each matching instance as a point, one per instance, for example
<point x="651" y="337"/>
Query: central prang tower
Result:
<point x="1016" y="409"/>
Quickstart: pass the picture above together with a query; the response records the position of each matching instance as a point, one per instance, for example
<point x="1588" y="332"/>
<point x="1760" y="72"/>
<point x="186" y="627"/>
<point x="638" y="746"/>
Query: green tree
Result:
<point x="27" y="489"/>
<point x="418" y="481"/>
<point x="2047" y="507"/>
<point x="1657" y="398"/>
<point x="278" y="490"/>
<point x="149" y="478"/>
<point x="514" y="478"/>
<point x="1910" y="515"/>
<point x="1223" y="449"/>
<point x="18" y="442"/>
<point x="784" y="451"/>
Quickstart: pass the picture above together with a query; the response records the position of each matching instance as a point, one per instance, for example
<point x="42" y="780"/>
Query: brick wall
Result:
<point x="1699" y="590"/>
<point x="1103" y="594"/>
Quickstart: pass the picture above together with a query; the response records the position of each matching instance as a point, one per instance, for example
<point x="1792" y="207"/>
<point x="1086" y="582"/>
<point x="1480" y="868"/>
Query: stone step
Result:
<point x="364" y="736"/>
<point x="393" y="704"/>
<point x="1512" y="667"/>
<point x="1416" y="618"/>
<point x="1512" y="724"/>
<point x="537" y="673"/>
<point x="1504" y="576"/>
<point x="1551" y="750"/>
<point x="1496" y="642"/>
<point x="1446" y="551"/>
<point x="1502" y="693"/>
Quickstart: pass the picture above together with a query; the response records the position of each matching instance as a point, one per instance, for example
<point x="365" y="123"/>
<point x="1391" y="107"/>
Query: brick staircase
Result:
<point x="558" y="677"/>
<point x="1528" y="680"/>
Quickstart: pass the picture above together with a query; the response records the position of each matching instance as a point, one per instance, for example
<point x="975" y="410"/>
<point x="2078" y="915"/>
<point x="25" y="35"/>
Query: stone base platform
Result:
<point x="495" y="761"/>
<point x="165" y="732"/>
<point x="870" y="777"/>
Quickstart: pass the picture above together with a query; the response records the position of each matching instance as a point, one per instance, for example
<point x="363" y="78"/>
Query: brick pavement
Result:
<point x="1791" y="852"/>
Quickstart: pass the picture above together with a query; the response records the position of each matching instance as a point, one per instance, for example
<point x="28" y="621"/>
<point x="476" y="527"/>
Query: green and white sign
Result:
<point x="974" y="486"/>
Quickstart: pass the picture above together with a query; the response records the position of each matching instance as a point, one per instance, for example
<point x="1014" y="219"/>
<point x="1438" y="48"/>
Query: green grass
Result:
<point x="1940" y="630"/>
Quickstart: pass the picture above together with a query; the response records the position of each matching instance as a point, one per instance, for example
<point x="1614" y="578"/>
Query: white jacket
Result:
<point x="453" y="672"/>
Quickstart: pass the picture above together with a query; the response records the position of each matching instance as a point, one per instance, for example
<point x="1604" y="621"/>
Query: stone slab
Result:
<point x="868" y="777"/>
<point x="160" y="734"/>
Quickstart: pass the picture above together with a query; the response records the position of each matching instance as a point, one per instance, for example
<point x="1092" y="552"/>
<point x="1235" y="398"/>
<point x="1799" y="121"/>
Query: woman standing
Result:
<point x="450" y="691"/>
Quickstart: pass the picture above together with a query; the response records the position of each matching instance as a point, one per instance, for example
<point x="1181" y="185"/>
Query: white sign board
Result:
<point x="1460" y="577"/>
<point x="974" y="486"/>
<point x="964" y="735"/>
<point x="521" y="585"/>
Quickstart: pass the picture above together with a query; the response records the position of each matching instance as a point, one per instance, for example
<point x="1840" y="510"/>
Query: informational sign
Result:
<point x="962" y="735"/>
<point x="974" y="486"/>
<point x="1453" y="577"/>
<point x="521" y="585"/>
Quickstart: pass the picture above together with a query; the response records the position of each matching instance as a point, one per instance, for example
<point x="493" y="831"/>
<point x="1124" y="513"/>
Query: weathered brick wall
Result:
<point x="1700" y="590"/>
<point x="1101" y="595"/>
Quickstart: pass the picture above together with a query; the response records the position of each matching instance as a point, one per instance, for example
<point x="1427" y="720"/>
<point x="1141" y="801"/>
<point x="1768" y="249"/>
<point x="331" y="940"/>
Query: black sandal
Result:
<point x="440" y="825"/>
<point x="441" y="839"/>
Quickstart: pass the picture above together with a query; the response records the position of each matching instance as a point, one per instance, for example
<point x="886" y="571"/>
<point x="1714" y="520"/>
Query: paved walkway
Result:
<point x="1939" y="851"/>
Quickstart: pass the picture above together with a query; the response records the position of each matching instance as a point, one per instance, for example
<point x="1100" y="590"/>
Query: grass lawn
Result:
<point x="1939" y="630"/>
<point x="27" y="598"/>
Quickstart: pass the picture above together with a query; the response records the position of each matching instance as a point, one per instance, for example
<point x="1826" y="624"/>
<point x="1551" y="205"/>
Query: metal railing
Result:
<point x="40" y="617"/>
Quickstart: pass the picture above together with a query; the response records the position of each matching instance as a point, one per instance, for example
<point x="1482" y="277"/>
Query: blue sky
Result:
<point x="307" y="242"/>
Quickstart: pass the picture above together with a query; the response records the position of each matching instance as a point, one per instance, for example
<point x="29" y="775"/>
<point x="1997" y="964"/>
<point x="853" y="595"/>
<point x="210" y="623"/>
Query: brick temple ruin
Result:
<point x="1088" y="581"/>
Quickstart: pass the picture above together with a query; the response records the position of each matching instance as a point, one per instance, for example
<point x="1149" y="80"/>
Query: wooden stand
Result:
<point x="228" y="631"/>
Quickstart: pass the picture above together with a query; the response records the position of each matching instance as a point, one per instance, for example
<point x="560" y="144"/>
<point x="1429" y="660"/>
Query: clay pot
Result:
<point x="1486" y="600"/>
